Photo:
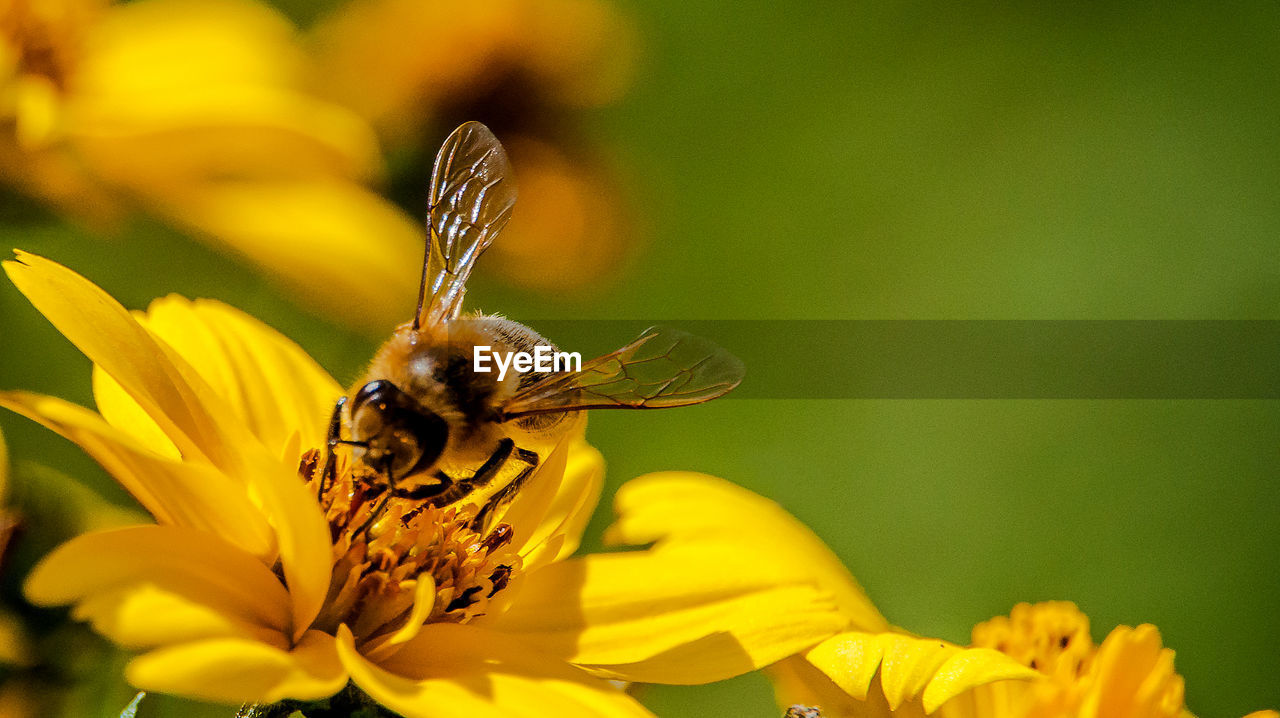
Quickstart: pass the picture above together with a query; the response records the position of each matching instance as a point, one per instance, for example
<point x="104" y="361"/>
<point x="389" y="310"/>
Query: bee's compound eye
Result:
<point x="366" y="422"/>
<point x="421" y="436"/>
<point x="396" y="432"/>
<point x="378" y="391"/>
<point x="372" y="408"/>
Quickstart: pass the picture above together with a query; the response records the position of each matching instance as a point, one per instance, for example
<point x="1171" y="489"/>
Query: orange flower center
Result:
<point x="1130" y="674"/>
<point x="44" y="38"/>
<point x="1051" y="637"/>
<point x="384" y="547"/>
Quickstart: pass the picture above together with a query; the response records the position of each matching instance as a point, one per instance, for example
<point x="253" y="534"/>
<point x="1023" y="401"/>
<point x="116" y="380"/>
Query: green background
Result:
<point x="841" y="160"/>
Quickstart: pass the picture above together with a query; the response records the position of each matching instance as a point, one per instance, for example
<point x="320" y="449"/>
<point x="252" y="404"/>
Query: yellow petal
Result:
<point x="105" y="332"/>
<point x="36" y="108"/>
<point x="270" y="382"/>
<point x="1133" y="674"/>
<point x="797" y="682"/>
<point x="346" y="250"/>
<point x="306" y="553"/>
<point x="145" y="614"/>
<point x="850" y="661"/>
<point x="969" y="668"/>
<point x="200" y="424"/>
<point x="674" y="508"/>
<point x="197" y="566"/>
<point x="560" y="531"/>
<point x="203" y="90"/>
<point x="689" y="615"/>
<point x="133" y="51"/>
<point x="122" y="412"/>
<point x="237" y="670"/>
<point x="457" y="670"/>
<point x="424" y="599"/>
<point x="909" y="665"/>
<point x="529" y="513"/>
<point x="181" y="494"/>
<point x="911" y="668"/>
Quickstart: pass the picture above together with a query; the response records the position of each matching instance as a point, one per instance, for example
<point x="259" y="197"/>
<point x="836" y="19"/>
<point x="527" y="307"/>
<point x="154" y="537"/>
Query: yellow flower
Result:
<point x="250" y="587"/>
<point x="196" y="111"/>
<point x="1040" y="662"/>
<point x="526" y="68"/>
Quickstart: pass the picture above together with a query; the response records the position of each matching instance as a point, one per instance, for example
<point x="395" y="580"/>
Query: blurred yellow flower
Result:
<point x="49" y="670"/>
<point x="39" y="45"/>
<point x="8" y="522"/>
<point x="1047" y="647"/>
<point x="18" y="697"/>
<point x="15" y="649"/>
<point x="17" y="700"/>
<point x="196" y="110"/>
<point x="250" y="587"/>
<point x="1130" y="674"/>
<point x="526" y="68"/>
<point x="675" y="509"/>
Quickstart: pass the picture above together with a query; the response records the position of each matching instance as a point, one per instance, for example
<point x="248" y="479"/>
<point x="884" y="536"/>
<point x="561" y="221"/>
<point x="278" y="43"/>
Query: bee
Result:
<point x="440" y="431"/>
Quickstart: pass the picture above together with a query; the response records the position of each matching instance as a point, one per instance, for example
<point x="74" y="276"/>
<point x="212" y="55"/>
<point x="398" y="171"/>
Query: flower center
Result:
<point x="1051" y="637"/>
<point x="43" y="39"/>
<point x="1130" y="674"/>
<point x="385" y="548"/>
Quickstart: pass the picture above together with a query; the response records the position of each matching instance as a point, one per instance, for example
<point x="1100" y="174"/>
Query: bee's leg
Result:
<point x="428" y="491"/>
<point x="382" y="505"/>
<point x="506" y="493"/>
<point x="481" y="478"/>
<point x="440" y="494"/>
<point x="328" y="474"/>
<point x="490" y="467"/>
<point x="451" y="490"/>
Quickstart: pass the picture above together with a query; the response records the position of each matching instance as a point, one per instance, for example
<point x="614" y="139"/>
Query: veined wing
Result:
<point x="662" y="368"/>
<point x="472" y="193"/>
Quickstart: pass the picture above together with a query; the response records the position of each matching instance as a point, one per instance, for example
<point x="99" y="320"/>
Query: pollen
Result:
<point x="1051" y="637"/>
<point x="384" y="547"/>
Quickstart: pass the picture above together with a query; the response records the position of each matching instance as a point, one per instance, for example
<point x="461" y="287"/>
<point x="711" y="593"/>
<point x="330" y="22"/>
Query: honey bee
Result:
<point x="423" y="413"/>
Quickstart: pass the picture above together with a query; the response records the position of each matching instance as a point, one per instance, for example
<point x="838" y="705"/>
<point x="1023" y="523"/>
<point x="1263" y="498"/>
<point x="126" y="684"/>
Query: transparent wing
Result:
<point x="662" y="368"/>
<point x="472" y="193"/>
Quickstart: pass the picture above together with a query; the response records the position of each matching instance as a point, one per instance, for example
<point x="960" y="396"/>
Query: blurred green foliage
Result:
<point x="895" y="160"/>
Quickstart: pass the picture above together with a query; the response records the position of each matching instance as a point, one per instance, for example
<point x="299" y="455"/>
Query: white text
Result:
<point x="542" y="359"/>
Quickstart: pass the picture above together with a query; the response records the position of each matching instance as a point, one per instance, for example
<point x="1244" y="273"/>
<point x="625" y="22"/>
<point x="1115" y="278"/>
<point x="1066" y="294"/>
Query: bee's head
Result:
<point x="392" y="430"/>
